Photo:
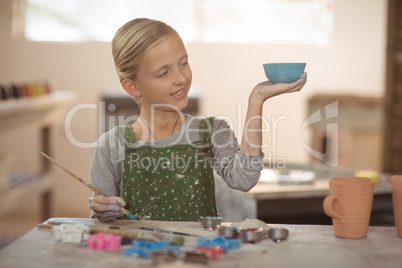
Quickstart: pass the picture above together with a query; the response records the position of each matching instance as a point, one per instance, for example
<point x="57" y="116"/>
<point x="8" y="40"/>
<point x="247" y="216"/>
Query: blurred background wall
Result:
<point x="354" y="63"/>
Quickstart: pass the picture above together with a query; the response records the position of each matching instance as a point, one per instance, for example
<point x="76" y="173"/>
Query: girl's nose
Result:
<point x="180" y="77"/>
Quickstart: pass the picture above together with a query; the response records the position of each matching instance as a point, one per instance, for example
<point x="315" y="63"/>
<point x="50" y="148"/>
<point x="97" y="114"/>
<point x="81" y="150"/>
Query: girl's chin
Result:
<point x="183" y="105"/>
<point x="178" y="107"/>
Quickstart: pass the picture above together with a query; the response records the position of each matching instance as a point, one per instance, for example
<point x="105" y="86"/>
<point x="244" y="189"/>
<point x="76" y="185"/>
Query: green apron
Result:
<point x="169" y="182"/>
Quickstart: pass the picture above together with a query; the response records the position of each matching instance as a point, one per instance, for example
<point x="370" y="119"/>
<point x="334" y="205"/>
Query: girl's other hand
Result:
<point x="107" y="208"/>
<point x="267" y="89"/>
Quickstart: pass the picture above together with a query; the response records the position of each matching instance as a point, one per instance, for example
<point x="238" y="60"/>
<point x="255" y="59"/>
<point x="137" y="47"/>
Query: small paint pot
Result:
<point x="196" y="256"/>
<point x="164" y="256"/>
<point x="228" y="232"/>
<point x="212" y="252"/>
<point x="278" y="234"/>
<point x="251" y="235"/>
<point x="210" y="223"/>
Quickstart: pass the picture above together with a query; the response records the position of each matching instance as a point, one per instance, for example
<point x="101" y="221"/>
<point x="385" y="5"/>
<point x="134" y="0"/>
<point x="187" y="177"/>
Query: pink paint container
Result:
<point x="104" y="242"/>
<point x="113" y="242"/>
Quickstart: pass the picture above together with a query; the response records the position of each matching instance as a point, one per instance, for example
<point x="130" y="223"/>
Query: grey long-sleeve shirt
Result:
<point x="238" y="170"/>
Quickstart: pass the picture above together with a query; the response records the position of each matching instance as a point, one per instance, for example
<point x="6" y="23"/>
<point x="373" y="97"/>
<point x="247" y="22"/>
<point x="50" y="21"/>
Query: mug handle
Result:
<point x="328" y="206"/>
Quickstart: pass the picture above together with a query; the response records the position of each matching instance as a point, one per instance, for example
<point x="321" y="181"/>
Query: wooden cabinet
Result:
<point x="355" y="142"/>
<point x="41" y="113"/>
<point x="392" y="149"/>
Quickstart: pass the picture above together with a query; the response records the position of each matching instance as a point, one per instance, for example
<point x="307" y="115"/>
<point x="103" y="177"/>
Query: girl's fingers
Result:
<point x="298" y="84"/>
<point x="111" y="200"/>
<point x="118" y="200"/>
<point x="267" y="89"/>
<point x="107" y="216"/>
<point x="107" y="208"/>
<point x="104" y="199"/>
<point x="102" y="203"/>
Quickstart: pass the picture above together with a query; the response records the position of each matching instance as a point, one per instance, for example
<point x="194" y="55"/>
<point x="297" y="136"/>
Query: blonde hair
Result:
<point x="132" y="41"/>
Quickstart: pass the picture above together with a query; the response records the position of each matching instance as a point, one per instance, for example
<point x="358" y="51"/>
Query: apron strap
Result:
<point x="127" y="135"/>
<point x="206" y="126"/>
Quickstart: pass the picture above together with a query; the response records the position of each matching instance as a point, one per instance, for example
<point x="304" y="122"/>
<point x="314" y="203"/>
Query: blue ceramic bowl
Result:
<point x="284" y="72"/>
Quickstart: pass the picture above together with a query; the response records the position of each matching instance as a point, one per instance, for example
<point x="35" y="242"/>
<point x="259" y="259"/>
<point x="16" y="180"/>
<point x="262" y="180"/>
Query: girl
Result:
<point x="161" y="167"/>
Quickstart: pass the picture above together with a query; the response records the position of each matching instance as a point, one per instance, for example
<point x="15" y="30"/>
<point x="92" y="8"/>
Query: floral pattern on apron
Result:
<point x="169" y="182"/>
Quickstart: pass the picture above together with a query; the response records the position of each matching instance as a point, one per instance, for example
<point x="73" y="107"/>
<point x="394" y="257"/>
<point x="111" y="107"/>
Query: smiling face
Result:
<point x="164" y="76"/>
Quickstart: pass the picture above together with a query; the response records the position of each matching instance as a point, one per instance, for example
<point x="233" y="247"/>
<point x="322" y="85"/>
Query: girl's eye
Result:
<point x="163" y="74"/>
<point x="184" y="63"/>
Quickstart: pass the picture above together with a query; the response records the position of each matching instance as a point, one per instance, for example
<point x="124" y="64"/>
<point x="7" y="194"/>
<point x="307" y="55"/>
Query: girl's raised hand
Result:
<point x="267" y="89"/>
<point x="107" y="208"/>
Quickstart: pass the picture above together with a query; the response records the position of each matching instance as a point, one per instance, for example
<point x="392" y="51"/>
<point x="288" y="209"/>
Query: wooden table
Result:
<point x="307" y="246"/>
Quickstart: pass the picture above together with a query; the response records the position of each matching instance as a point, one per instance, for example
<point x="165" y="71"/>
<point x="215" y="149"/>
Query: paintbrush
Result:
<point x="116" y="229"/>
<point x="125" y="211"/>
<point x="164" y="231"/>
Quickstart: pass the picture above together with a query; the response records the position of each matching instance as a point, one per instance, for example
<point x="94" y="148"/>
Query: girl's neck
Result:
<point x="160" y="118"/>
<point x="161" y="124"/>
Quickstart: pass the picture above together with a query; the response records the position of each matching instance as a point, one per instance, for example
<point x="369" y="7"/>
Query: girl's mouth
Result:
<point x="177" y="93"/>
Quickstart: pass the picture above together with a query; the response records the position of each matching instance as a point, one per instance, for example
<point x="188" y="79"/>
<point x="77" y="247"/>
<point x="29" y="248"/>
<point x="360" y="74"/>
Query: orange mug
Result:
<point x="349" y="204"/>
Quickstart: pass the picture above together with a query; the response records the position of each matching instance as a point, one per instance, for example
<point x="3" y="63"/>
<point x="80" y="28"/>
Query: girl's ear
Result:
<point x="130" y="87"/>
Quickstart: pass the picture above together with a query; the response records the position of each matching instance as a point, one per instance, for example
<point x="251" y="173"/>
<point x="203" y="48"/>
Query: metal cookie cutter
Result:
<point x="228" y="232"/>
<point x="251" y="235"/>
<point x="210" y="223"/>
<point x="278" y="234"/>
